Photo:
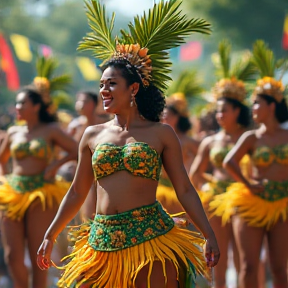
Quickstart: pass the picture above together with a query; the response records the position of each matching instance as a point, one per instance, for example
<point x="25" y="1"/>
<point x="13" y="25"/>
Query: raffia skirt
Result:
<point x="259" y="210"/>
<point x="110" y="250"/>
<point x="17" y="192"/>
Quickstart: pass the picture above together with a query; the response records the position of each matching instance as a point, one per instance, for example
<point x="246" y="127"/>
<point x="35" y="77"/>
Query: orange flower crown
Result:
<point x="270" y="87"/>
<point x="42" y="84"/>
<point x="179" y="102"/>
<point x="231" y="88"/>
<point x="138" y="58"/>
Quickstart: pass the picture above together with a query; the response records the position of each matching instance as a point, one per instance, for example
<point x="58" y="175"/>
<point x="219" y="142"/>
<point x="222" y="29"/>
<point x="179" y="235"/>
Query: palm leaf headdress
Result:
<point x="267" y="65"/>
<point x="186" y="87"/>
<point x="46" y="82"/>
<point x="146" y="43"/>
<point x="232" y="77"/>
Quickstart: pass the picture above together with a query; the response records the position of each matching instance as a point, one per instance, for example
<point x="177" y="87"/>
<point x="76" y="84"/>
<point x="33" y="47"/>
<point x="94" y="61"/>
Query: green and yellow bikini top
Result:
<point x="37" y="147"/>
<point x="138" y="158"/>
<point x="217" y="155"/>
<point x="265" y="155"/>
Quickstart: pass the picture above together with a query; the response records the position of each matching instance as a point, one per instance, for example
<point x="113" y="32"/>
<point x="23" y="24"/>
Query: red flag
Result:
<point x="190" y="51"/>
<point x="285" y="34"/>
<point x="8" y="65"/>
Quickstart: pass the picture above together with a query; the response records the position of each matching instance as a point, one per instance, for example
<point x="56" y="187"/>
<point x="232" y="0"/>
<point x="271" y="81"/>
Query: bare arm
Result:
<point x="5" y="150"/>
<point x="186" y="193"/>
<point x="200" y="163"/>
<point x="231" y="162"/>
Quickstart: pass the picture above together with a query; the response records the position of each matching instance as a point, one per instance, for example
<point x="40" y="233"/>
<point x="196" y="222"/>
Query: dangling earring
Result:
<point x="132" y="100"/>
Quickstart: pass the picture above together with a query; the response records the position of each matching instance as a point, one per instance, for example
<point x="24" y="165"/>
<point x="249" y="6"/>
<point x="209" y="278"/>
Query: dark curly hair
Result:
<point x="36" y="98"/>
<point x="244" y="117"/>
<point x="149" y="100"/>
<point x="183" y="124"/>
<point x="281" y="110"/>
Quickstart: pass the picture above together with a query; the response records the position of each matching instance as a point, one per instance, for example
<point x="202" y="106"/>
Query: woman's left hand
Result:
<point x="44" y="254"/>
<point x="212" y="253"/>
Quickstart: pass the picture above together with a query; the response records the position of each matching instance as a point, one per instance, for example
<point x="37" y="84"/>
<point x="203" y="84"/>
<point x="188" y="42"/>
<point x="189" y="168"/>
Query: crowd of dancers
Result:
<point x="150" y="196"/>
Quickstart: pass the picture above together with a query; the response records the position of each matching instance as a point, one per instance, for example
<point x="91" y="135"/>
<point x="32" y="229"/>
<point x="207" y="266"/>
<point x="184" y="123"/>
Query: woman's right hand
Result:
<point x="256" y="188"/>
<point x="44" y="254"/>
<point x="212" y="253"/>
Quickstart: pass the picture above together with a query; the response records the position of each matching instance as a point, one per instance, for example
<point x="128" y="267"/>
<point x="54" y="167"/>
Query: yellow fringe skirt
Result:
<point x="111" y="250"/>
<point x="261" y="210"/>
<point x="17" y="192"/>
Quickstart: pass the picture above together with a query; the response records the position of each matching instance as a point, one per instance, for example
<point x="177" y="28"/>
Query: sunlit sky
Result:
<point x="129" y="7"/>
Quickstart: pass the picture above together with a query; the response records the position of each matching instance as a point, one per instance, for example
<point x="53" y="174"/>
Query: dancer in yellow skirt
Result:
<point x="132" y="242"/>
<point x="30" y="196"/>
<point x="233" y="117"/>
<point x="260" y="204"/>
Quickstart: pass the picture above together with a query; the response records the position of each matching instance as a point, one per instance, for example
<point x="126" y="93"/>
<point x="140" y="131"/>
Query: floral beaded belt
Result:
<point x="220" y="186"/>
<point x="22" y="184"/>
<point x="133" y="227"/>
<point x="274" y="191"/>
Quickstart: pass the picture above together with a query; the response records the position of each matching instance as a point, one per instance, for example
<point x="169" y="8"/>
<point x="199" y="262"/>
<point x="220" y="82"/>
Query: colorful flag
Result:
<point x="285" y="34"/>
<point x="88" y="69"/>
<point x="8" y="65"/>
<point x="21" y="47"/>
<point x="190" y="51"/>
<point x="45" y="50"/>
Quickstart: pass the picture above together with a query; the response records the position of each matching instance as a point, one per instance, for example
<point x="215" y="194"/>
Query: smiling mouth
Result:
<point x="107" y="100"/>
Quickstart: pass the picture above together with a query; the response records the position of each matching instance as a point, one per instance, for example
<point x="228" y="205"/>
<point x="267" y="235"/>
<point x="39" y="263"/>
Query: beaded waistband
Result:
<point x="133" y="227"/>
<point x="274" y="191"/>
<point x="22" y="184"/>
<point x="220" y="186"/>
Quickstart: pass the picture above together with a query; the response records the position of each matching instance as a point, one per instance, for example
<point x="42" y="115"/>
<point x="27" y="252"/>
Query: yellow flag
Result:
<point x="88" y="69"/>
<point x="21" y="47"/>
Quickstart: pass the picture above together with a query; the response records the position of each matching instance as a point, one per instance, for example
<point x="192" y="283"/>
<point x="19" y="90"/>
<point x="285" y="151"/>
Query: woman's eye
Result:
<point x="112" y="83"/>
<point x="101" y="85"/>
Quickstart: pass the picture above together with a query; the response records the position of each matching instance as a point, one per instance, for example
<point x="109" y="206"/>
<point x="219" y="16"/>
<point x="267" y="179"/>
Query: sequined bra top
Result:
<point x="265" y="156"/>
<point x="217" y="155"/>
<point x="38" y="148"/>
<point x="138" y="158"/>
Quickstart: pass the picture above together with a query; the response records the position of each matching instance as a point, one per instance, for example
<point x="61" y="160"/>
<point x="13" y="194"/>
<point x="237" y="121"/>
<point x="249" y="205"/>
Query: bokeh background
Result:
<point x="53" y="28"/>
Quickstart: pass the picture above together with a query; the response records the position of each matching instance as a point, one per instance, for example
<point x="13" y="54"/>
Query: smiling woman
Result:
<point x="132" y="241"/>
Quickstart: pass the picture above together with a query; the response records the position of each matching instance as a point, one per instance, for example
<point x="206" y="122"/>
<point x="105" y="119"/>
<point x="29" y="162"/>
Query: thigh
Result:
<point x="37" y="222"/>
<point x="248" y="241"/>
<point x="277" y="245"/>
<point x="157" y="279"/>
<point x="13" y="239"/>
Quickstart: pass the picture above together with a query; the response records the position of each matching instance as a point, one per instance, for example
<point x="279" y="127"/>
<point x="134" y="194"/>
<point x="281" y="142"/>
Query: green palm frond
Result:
<point x="224" y="50"/>
<point x="45" y="66"/>
<point x="244" y="70"/>
<point x="60" y="82"/>
<point x="264" y="59"/>
<point x="100" y="40"/>
<point x="187" y="83"/>
<point x="164" y="28"/>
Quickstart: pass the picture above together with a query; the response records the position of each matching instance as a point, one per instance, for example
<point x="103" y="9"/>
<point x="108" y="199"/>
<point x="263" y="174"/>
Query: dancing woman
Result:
<point x="260" y="201"/>
<point x="132" y="242"/>
<point x="233" y="117"/>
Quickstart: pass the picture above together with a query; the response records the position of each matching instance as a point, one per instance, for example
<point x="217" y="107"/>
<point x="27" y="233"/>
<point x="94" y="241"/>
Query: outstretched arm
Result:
<point x="186" y="193"/>
<point x="71" y="203"/>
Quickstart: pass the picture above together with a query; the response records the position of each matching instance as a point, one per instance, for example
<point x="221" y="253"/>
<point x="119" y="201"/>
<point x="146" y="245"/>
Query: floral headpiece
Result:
<point x="179" y="102"/>
<point x="264" y="60"/>
<point x="146" y="44"/>
<point x="230" y="88"/>
<point x="45" y="82"/>
<point x="232" y="79"/>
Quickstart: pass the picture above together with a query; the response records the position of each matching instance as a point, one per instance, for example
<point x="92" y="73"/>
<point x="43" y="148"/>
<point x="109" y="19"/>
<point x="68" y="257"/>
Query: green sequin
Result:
<point x="24" y="184"/>
<point x="274" y="191"/>
<point x="138" y="158"/>
<point x="120" y="231"/>
<point x="217" y="155"/>
<point x="220" y="186"/>
<point x="36" y="147"/>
